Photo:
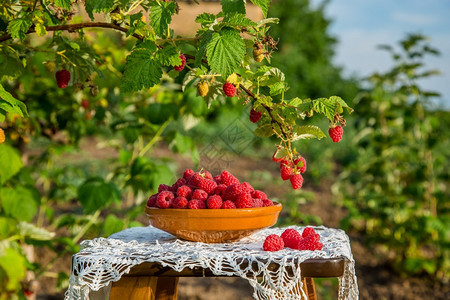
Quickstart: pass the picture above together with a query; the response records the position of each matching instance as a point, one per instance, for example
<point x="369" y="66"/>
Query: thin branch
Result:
<point x="74" y="27"/>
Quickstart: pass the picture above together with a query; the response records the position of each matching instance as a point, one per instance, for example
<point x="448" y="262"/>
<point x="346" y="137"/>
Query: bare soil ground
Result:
<point x="376" y="280"/>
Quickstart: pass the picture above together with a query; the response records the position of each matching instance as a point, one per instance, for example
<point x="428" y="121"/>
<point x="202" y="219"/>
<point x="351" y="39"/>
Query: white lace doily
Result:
<point x="102" y="261"/>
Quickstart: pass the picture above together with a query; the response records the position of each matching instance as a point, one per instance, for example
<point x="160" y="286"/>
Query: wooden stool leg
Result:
<point x="167" y="288"/>
<point x="309" y="288"/>
<point x="134" y="288"/>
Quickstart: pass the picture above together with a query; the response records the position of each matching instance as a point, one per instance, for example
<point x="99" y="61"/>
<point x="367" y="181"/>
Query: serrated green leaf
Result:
<point x="204" y="41"/>
<point x="295" y="102"/>
<point x="135" y="23"/>
<point x="40" y="29"/>
<point x="270" y="75"/>
<point x="10" y="64"/>
<point x="65" y="4"/>
<point x="237" y="20"/>
<point x="263" y="4"/>
<point x="225" y="51"/>
<point x="325" y="106"/>
<point x="281" y="153"/>
<point x="10" y="104"/>
<point x="161" y="16"/>
<point x="189" y="78"/>
<point x="233" y="6"/>
<point x="264" y="130"/>
<point x="169" y="56"/>
<point x="141" y="69"/>
<point x="308" y="132"/>
<point x="277" y="88"/>
<point x="95" y="193"/>
<point x="205" y="18"/>
<point x="341" y="104"/>
<point x="28" y="230"/>
<point x="98" y="6"/>
<point x="19" y="27"/>
<point x="10" y="162"/>
<point x="19" y="202"/>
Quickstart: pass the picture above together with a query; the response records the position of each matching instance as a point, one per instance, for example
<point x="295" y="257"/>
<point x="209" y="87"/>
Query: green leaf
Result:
<point x="308" y="132"/>
<point x="225" y="51"/>
<point x="98" y="6"/>
<point x="10" y="104"/>
<point x="19" y="27"/>
<point x="135" y="23"/>
<point x="141" y="69"/>
<point x="146" y="175"/>
<point x="95" y="193"/>
<point x="341" y="104"/>
<point x="161" y="16"/>
<point x="158" y="113"/>
<point x="13" y="264"/>
<point x="204" y="41"/>
<point x="169" y="56"/>
<point x="10" y="64"/>
<point x="263" y="4"/>
<point x="325" y="106"/>
<point x="10" y="162"/>
<point x="205" y="18"/>
<point x="35" y="233"/>
<point x="268" y="21"/>
<point x="19" y="202"/>
<point x="277" y="88"/>
<point x="233" y="6"/>
<point x="237" y="20"/>
<point x="40" y="29"/>
<point x="264" y="130"/>
<point x="112" y="225"/>
<point x="65" y="4"/>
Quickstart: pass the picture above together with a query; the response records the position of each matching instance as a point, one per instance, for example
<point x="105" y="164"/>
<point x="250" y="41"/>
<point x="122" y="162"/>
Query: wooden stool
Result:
<point x="151" y="281"/>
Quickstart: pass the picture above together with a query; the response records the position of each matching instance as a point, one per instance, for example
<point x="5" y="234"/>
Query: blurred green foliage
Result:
<point x="396" y="187"/>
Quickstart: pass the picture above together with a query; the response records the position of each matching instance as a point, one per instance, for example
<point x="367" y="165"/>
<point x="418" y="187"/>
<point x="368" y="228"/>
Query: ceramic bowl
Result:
<point x="213" y="225"/>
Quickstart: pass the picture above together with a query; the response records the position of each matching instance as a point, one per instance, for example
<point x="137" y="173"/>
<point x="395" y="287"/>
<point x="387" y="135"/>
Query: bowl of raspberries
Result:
<point x="202" y="208"/>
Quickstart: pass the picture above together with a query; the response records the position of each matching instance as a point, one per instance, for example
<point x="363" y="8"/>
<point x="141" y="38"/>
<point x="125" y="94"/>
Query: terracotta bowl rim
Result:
<point x="233" y="212"/>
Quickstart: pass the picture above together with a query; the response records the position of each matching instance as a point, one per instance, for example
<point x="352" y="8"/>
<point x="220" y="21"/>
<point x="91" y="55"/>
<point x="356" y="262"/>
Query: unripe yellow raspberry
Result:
<point x="202" y="88"/>
<point x="2" y="136"/>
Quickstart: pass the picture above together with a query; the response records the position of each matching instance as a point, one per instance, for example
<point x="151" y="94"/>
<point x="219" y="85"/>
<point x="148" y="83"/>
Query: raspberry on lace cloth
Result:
<point x="102" y="261"/>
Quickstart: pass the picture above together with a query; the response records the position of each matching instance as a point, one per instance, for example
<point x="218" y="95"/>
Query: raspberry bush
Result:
<point x="59" y="82"/>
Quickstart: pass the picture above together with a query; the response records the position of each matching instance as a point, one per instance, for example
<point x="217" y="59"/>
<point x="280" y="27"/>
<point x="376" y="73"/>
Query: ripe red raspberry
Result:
<point x="232" y="192"/>
<point x="336" y="133"/>
<point x="259" y="194"/>
<point x="217" y="179"/>
<point x="184" y="191"/>
<point x="267" y="202"/>
<point x="296" y="181"/>
<point x="229" y="89"/>
<point x="220" y="189"/>
<point x="151" y="202"/>
<point x="228" y="204"/>
<point x="62" y="78"/>
<point x="308" y="231"/>
<point x="84" y="103"/>
<point x="286" y="172"/>
<point x="196" y="204"/>
<point x="285" y="163"/>
<point x="214" y="202"/>
<point x="164" y="187"/>
<point x="255" y="116"/>
<point x="165" y="199"/>
<point x="180" y="202"/>
<point x="206" y="175"/>
<point x="247" y="187"/>
<point x="228" y="179"/>
<point x="188" y="174"/>
<point x="195" y="180"/>
<point x="244" y="201"/>
<point x="301" y="164"/>
<point x="207" y="185"/>
<point x="183" y="63"/>
<point x="200" y="195"/>
<point x="273" y="243"/>
<point x="257" y="202"/>
<point x="178" y="183"/>
<point x="308" y="243"/>
<point x="291" y="237"/>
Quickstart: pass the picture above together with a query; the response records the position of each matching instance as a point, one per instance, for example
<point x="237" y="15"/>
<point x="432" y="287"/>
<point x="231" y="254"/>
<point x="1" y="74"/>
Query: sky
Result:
<point x="361" y="25"/>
